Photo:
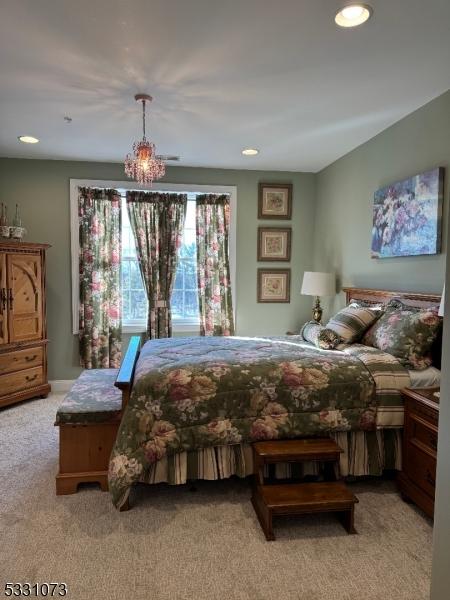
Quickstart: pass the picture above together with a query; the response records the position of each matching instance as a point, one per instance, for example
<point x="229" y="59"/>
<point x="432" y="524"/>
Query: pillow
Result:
<point x="367" y="304"/>
<point x="408" y="334"/>
<point x="395" y="304"/>
<point x="317" y="334"/>
<point x="351" y="322"/>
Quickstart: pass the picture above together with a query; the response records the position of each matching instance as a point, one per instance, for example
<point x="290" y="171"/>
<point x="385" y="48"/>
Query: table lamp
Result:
<point x="318" y="284"/>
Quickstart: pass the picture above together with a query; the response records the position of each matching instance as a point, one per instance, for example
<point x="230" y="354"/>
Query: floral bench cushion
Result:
<point x="92" y="399"/>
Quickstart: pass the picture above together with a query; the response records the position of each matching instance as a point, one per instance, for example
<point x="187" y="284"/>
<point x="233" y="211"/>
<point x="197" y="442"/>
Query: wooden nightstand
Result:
<point x="420" y="435"/>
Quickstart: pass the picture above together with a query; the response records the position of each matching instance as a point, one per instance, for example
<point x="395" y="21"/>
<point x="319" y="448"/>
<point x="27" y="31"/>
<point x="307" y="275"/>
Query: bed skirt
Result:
<point x="365" y="453"/>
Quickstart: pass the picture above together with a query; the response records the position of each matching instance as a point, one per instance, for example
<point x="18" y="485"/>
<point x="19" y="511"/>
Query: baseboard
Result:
<point x="61" y="385"/>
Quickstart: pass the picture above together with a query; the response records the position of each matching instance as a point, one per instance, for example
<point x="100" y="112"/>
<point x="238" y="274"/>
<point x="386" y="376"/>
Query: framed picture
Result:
<point x="275" y="201"/>
<point x="274" y="285"/>
<point x="407" y="216"/>
<point x="274" y="243"/>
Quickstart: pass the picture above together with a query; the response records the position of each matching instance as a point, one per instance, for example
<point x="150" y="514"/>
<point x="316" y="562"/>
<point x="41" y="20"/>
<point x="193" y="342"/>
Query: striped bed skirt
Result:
<point x="365" y="453"/>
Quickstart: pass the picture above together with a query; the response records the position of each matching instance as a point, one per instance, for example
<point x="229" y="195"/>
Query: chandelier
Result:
<point x="143" y="165"/>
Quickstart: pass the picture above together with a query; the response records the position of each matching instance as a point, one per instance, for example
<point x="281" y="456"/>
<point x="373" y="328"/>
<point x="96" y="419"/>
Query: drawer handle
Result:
<point x="430" y="479"/>
<point x="3" y="299"/>
<point x="29" y="378"/>
<point x="31" y="358"/>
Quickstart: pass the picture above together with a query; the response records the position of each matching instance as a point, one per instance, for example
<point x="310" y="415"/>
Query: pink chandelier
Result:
<point x="143" y="165"/>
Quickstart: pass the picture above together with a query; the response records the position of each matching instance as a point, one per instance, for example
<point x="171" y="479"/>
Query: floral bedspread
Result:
<point x="190" y="393"/>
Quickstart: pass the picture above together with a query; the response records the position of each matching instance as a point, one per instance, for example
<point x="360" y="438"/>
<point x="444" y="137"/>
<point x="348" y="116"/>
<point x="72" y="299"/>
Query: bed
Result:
<point x="193" y="406"/>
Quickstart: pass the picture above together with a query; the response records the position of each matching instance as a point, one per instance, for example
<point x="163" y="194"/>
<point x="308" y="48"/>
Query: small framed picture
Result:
<point x="274" y="243"/>
<point x="274" y="285"/>
<point x="275" y="201"/>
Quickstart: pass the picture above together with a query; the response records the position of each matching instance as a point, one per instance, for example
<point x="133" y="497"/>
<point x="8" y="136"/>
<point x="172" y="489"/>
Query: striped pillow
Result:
<point x="351" y="322"/>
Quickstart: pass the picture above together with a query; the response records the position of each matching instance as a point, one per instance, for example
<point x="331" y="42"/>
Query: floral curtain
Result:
<point x="213" y="265"/>
<point x="100" y="328"/>
<point x="157" y="222"/>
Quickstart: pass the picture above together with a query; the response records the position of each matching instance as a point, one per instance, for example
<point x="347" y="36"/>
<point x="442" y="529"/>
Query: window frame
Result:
<point x="180" y="325"/>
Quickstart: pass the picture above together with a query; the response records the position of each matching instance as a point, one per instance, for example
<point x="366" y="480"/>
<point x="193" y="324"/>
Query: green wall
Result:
<point x="345" y="194"/>
<point x="41" y="188"/>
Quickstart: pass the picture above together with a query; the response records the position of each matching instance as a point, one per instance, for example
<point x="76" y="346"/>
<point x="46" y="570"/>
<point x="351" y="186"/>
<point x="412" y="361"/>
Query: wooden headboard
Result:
<point x="408" y="298"/>
<point x="382" y="296"/>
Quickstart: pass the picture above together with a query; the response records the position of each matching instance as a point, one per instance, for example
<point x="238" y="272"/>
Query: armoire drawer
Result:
<point x="21" y="359"/>
<point x="21" y="380"/>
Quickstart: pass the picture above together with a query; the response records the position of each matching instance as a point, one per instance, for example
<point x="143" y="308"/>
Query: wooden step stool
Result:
<point x="300" y="498"/>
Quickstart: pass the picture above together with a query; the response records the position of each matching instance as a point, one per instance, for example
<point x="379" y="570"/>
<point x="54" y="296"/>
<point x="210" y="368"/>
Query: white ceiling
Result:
<point x="225" y="74"/>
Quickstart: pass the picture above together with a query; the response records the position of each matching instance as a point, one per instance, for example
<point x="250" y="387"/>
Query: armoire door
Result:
<point x="3" y="301"/>
<point x="24" y="282"/>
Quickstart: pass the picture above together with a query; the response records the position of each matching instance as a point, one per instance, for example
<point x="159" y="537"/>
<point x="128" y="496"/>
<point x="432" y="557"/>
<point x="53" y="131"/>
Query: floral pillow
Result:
<point x="351" y="322"/>
<point x="406" y="333"/>
<point x="320" y="336"/>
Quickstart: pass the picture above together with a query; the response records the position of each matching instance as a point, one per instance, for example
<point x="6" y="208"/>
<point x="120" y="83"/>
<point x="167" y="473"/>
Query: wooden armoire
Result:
<point x="23" y="330"/>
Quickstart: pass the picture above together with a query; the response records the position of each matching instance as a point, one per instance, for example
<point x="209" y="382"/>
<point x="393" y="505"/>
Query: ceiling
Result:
<point x="225" y="74"/>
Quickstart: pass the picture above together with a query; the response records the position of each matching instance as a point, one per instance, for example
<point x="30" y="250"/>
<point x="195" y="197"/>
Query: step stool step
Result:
<point x="303" y="498"/>
<point x="320" y="449"/>
<point x="307" y="497"/>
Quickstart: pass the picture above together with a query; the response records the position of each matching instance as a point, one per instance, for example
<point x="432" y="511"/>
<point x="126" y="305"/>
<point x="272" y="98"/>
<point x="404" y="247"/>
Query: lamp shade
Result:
<point x="316" y="283"/>
<point x="441" y="305"/>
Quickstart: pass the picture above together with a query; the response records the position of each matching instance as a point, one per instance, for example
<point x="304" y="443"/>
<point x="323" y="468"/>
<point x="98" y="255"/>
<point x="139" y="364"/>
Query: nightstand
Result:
<point x="418" y="475"/>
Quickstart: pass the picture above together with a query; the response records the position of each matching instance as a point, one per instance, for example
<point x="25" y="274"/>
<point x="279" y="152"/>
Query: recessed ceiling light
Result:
<point x="28" y="139"/>
<point x="250" y="151"/>
<point x="353" y="15"/>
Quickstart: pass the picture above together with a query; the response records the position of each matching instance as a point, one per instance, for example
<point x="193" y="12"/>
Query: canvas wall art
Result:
<point x="407" y="216"/>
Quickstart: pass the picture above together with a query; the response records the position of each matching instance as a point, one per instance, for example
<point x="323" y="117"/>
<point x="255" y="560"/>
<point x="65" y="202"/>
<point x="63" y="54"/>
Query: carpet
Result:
<point x="180" y="544"/>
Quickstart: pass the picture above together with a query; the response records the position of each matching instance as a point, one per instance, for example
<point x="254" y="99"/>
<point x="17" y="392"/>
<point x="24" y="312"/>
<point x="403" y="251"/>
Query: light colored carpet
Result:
<point x="176" y="544"/>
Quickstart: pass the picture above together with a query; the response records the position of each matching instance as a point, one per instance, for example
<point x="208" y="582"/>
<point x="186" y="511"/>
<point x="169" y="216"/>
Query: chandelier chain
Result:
<point x="143" y="117"/>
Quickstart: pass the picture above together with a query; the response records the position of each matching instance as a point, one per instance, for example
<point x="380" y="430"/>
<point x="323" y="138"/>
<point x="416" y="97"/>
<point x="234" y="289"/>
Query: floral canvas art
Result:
<point x="407" y="216"/>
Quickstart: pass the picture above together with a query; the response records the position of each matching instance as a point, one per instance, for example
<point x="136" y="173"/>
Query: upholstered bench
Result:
<point x="88" y="420"/>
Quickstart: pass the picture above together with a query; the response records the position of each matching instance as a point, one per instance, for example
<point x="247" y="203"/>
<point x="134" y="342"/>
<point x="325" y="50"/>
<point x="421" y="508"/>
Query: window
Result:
<point x="134" y="302"/>
<point x="184" y="296"/>
<point x="185" y="290"/>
